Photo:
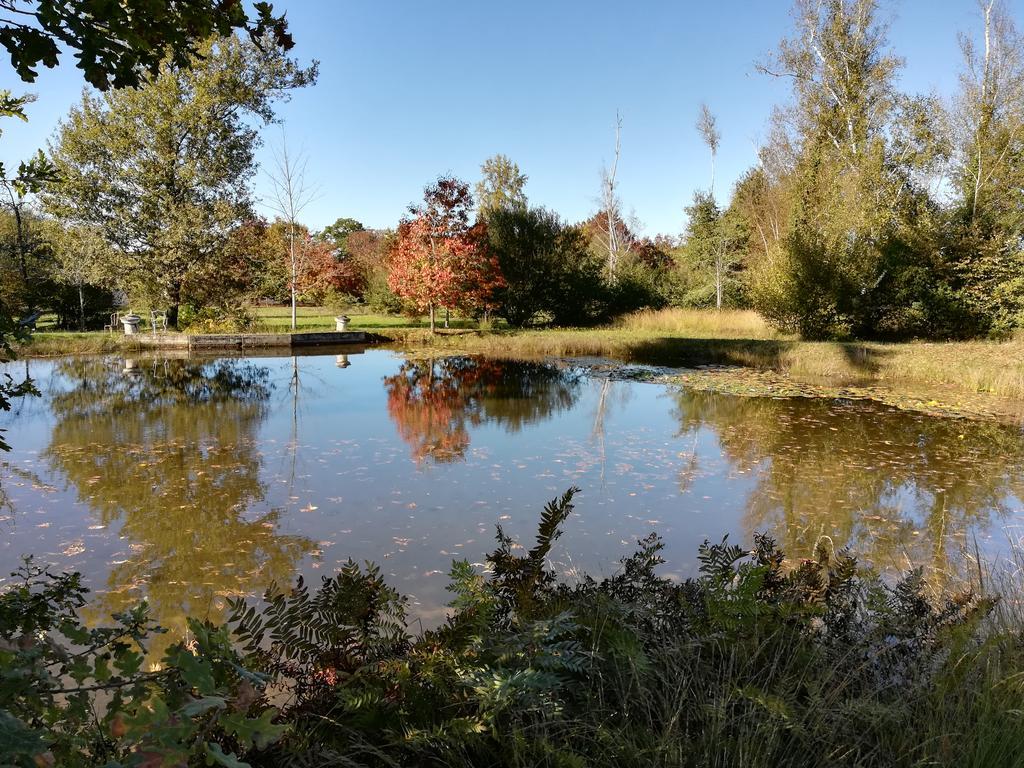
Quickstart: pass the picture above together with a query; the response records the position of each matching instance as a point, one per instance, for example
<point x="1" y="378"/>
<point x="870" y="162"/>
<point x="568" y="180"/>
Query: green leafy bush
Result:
<point x="73" y="696"/>
<point x="224" y="319"/>
<point x="378" y="296"/>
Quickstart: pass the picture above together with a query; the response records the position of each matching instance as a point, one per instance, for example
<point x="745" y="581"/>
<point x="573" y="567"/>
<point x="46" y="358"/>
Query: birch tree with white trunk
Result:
<point x="707" y="127"/>
<point x="615" y="240"/>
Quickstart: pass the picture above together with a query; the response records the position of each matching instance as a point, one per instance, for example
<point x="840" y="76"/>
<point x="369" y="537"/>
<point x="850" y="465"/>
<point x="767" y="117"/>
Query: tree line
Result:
<point x="870" y="212"/>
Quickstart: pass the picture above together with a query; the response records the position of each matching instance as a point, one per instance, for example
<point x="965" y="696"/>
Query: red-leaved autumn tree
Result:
<point x="439" y="259"/>
<point x="322" y="271"/>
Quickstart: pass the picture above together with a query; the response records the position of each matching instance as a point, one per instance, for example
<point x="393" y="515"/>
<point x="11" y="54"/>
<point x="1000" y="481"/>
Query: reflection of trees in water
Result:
<point x="434" y="402"/>
<point x="26" y="476"/>
<point x="169" y="449"/>
<point x="892" y="485"/>
<point x="608" y="396"/>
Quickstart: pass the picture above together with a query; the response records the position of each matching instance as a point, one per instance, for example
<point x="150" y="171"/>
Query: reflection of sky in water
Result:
<point x="199" y="521"/>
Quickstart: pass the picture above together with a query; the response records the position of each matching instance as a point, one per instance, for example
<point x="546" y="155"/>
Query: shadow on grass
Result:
<point x="757" y="353"/>
<point x="863" y="359"/>
<point x="690" y="353"/>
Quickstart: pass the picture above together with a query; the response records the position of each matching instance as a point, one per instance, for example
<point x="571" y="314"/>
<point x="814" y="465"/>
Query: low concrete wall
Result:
<point x="329" y="337"/>
<point x="229" y="341"/>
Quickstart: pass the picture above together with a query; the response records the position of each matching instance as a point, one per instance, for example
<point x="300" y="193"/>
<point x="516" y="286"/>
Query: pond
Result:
<point x="189" y="481"/>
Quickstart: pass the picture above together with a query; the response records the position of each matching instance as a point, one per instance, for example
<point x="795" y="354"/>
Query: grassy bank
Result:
<point x="675" y="338"/>
<point x="54" y="343"/>
<point x="687" y="339"/>
<point x="756" y="661"/>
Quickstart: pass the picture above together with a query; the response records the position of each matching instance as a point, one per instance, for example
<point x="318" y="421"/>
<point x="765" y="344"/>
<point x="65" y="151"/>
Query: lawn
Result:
<point x="278" y="320"/>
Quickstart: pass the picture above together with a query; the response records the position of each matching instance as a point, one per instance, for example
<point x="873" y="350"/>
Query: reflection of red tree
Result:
<point x="431" y="405"/>
<point x="435" y="402"/>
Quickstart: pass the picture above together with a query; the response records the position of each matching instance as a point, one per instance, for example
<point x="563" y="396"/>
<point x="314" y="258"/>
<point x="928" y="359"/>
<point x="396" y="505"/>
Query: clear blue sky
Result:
<point x="411" y="89"/>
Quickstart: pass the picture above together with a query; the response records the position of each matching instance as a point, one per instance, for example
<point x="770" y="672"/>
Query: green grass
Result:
<point x="278" y="319"/>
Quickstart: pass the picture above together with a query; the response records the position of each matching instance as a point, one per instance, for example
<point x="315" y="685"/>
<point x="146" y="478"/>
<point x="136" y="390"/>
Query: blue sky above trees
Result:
<point x="410" y="90"/>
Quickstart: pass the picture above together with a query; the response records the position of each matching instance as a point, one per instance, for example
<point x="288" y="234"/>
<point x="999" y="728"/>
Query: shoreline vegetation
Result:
<point x="731" y="351"/>
<point x="755" y="661"/>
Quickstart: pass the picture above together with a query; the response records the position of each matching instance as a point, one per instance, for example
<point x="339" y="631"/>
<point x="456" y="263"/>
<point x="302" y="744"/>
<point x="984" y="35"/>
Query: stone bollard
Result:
<point x="131" y="324"/>
<point x="341" y="322"/>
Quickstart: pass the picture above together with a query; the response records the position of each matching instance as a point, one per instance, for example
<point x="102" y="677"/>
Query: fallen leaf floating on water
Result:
<point x="76" y="547"/>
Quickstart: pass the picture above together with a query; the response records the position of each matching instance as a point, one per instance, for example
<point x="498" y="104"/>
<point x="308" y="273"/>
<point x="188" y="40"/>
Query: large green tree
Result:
<point x="114" y="44"/>
<point x="337" y="233"/>
<point x="550" y="272"/>
<point x="163" y="170"/>
<point x="501" y="186"/>
<point x="858" y="256"/>
<point x="987" y="121"/>
<point x="710" y="258"/>
<point x="529" y="246"/>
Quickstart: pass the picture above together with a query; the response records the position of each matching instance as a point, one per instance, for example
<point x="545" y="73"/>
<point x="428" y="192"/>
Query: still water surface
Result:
<point x="188" y="481"/>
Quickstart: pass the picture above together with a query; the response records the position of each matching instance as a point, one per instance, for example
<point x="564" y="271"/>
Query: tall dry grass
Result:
<point x="700" y="323"/>
<point x="989" y="367"/>
<point x="56" y="343"/>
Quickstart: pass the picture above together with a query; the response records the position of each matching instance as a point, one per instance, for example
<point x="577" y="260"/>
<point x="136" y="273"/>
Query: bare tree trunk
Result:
<point x="764" y="240"/>
<point x="290" y="195"/>
<point x="19" y="233"/>
<point x="983" y="108"/>
<point x="431" y="317"/>
<point x="81" y="307"/>
<point x="718" y="282"/>
<point x="707" y="127"/>
<point x="611" y="205"/>
<point x="295" y="270"/>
